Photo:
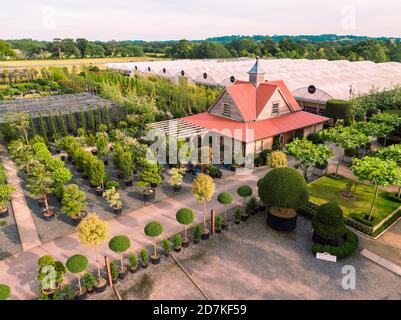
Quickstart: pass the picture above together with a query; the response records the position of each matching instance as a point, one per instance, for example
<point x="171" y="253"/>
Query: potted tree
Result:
<point x="177" y="242"/>
<point x="92" y="232"/>
<point x="203" y="188"/>
<point x="244" y="191"/>
<point x="283" y="190"/>
<point x="5" y="292"/>
<point x="113" y="199"/>
<point x="197" y="233"/>
<point x="120" y="244"/>
<point x="149" y="175"/>
<point x="252" y="206"/>
<point x="6" y="192"/>
<point x="126" y="166"/>
<point x="89" y="281"/>
<point x="76" y="265"/>
<point x="185" y="216"/>
<point x="133" y="262"/>
<point x="97" y="175"/>
<point x="237" y="216"/>
<point x="144" y="258"/>
<point x="49" y="268"/>
<point x="328" y="224"/>
<point x="114" y="272"/>
<point x="226" y="199"/>
<point x="154" y="229"/>
<point x="215" y="172"/>
<point x="73" y="203"/>
<point x="166" y="244"/>
<point x="176" y="176"/>
<point x="40" y="183"/>
<point x="102" y="145"/>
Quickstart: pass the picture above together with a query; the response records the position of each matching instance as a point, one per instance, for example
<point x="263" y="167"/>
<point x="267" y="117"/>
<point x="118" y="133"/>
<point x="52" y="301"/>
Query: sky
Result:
<point x="194" y="19"/>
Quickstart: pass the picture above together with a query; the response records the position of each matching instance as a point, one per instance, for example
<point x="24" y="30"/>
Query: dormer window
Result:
<point x="226" y="109"/>
<point x="276" y="108"/>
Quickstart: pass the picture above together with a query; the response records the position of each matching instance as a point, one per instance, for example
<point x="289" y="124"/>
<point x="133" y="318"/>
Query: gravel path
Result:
<point x="252" y="261"/>
<point x="10" y="242"/>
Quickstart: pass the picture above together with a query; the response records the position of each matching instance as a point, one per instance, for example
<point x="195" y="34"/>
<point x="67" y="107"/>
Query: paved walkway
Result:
<point x="20" y="271"/>
<point x="22" y="214"/>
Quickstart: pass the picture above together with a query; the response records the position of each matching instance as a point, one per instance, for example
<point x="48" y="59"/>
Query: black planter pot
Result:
<point x="237" y="221"/>
<point x="186" y="243"/>
<point x="153" y="185"/>
<point x="244" y="217"/>
<point x="90" y="290"/>
<point x="205" y="236"/>
<point x="81" y="295"/>
<point x="149" y="195"/>
<point x="144" y="266"/>
<point x="100" y="287"/>
<point x="129" y="183"/>
<point x="261" y="207"/>
<point x="94" y="152"/>
<point x="133" y="270"/>
<point x="117" y="210"/>
<point x="177" y="188"/>
<point x="166" y="254"/>
<point x="218" y="230"/>
<point x="99" y="191"/>
<point x="4" y="214"/>
<point x="281" y="224"/>
<point x="177" y="249"/>
<point x="106" y="162"/>
<point x="85" y="177"/>
<point x="219" y="175"/>
<point x="155" y="260"/>
<point x="123" y="274"/>
<point x="62" y="158"/>
<point x="196" y="241"/>
<point x="317" y="238"/>
<point x="115" y="281"/>
<point x="224" y="226"/>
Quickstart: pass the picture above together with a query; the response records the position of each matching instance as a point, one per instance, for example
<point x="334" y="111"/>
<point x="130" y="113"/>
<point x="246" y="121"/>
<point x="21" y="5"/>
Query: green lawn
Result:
<point x="328" y="189"/>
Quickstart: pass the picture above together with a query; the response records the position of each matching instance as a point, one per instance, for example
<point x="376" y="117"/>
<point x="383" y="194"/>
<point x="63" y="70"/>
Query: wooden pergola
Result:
<point x="178" y="129"/>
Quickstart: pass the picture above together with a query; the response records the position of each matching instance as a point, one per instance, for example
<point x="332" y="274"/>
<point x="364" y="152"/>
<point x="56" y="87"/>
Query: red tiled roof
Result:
<point x="251" y="101"/>
<point x="261" y="129"/>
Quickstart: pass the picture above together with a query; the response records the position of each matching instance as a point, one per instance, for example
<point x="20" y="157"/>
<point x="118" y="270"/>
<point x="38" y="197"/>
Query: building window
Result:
<point x="258" y="146"/>
<point x="276" y="107"/>
<point x="226" y="109"/>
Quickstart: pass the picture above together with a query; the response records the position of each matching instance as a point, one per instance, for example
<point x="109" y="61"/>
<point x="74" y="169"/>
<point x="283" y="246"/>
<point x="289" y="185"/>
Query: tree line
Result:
<point x="331" y="47"/>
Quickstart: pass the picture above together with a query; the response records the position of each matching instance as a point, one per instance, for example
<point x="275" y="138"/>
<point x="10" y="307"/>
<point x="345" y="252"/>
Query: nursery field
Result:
<point x="328" y="189"/>
<point x="252" y="261"/>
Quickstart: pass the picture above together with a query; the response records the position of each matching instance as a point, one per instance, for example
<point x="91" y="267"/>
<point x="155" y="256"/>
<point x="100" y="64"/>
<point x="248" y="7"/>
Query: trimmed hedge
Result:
<point x="77" y="263"/>
<point x="315" y="138"/>
<point x="329" y="221"/>
<point x="119" y="243"/>
<point x="185" y="216"/>
<point x="225" y="198"/>
<point x="153" y="229"/>
<point x="283" y="188"/>
<point x="5" y="292"/>
<point x="349" y="246"/>
<point x="386" y="224"/>
<point x="338" y="109"/>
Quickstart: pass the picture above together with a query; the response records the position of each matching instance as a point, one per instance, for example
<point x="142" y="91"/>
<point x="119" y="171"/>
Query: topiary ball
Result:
<point x="329" y="221"/>
<point x="153" y="229"/>
<point x="244" y="191"/>
<point x="46" y="260"/>
<point x="5" y="292"/>
<point x="185" y="216"/>
<point x="283" y="188"/>
<point x="77" y="263"/>
<point x="225" y="198"/>
<point x="119" y="244"/>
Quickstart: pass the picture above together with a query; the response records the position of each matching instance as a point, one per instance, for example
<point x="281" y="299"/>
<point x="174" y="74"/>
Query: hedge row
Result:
<point x="349" y="246"/>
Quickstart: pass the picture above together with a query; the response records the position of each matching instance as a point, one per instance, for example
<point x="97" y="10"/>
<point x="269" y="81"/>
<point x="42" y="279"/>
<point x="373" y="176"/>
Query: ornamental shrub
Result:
<point x="197" y="232"/>
<point x="177" y="241"/>
<point x="89" y="280"/>
<point x="77" y="263"/>
<point x="46" y="260"/>
<point x="218" y="222"/>
<point x="114" y="270"/>
<point x="338" y="109"/>
<point x="283" y="188"/>
<point x="344" y="250"/>
<point x="153" y="229"/>
<point x="244" y="191"/>
<point x="144" y="256"/>
<point x="277" y="159"/>
<point x="315" y="138"/>
<point x="166" y="244"/>
<point x="119" y="244"/>
<point x="329" y="221"/>
<point x="185" y="216"/>
<point x="133" y="260"/>
<point x="5" y="292"/>
<point x="225" y="198"/>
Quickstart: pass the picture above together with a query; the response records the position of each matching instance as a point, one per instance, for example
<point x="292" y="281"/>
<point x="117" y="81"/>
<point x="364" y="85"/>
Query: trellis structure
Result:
<point x="44" y="106"/>
<point x="178" y="129"/>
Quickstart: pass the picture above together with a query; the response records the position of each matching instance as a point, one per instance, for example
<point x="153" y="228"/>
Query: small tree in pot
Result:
<point x="154" y="229"/>
<point x="149" y="175"/>
<point x="144" y="258"/>
<point x="102" y="145"/>
<point x="92" y="232"/>
<point x="113" y="199"/>
<point x="120" y="244"/>
<point x="185" y="216"/>
<point x="5" y="292"/>
<point x="203" y="188"/>
<point x="284" y="190"/>
<point x="126" y="165"/>
<point x="90" y="281"/>
<point x="133" y="262"/>
<point x="197" y="233"/>
<point x="177" y="242"/>
<point x="328" y="224"/>
<point x="226" y="199"/>
<point x="176" y="176"/>
<point x="166" y="244"/>
<point x="97" y="176"/>
<point x="6" y="192"/>
<point x="76" y="265"/>
<point x="218" y="224"/>
<point x="73" y="203"/>
<point x="244" y="191"/>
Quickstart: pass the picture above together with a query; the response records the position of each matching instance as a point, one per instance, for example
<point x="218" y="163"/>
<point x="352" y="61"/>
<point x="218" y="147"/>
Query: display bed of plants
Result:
<point x="62" y="225"/>
<point x="330" y="189"/>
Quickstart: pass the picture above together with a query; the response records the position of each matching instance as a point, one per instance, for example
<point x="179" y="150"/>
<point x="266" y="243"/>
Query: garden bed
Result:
<point x="355" y="208"/>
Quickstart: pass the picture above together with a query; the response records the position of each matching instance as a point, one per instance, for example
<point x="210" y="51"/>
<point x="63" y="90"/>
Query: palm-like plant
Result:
<point x="40" y="182"/>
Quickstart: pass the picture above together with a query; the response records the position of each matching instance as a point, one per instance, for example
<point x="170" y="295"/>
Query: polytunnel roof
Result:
<point x="334" y="78"/>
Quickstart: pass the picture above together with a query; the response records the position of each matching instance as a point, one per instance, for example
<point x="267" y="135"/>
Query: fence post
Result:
<point x="107" y="263"/>
<point x="212" y="222"/>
